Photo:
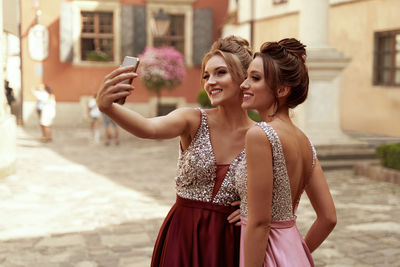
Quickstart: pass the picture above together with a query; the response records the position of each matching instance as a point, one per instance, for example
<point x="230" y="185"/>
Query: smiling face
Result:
<point x="218" y="82"/>
<point x="256" y="94"/>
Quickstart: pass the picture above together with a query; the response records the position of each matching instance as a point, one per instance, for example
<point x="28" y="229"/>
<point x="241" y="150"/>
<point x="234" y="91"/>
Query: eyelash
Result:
<point x="220" y="72"/>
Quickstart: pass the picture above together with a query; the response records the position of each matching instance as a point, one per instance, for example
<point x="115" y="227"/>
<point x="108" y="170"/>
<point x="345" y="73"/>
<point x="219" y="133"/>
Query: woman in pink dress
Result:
<point x="200" y="228"/>
<point x="281" y="164"/>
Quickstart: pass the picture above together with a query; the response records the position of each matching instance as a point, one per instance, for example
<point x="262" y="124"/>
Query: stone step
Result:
<point x="346" y="152"/>
<point x="333" y="157"/>
<point x="328" y="165"/>
<point x="374" y="140"/>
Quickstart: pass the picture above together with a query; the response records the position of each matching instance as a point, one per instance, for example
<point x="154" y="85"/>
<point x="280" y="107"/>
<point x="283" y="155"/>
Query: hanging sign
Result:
<point x="38" y="42"/>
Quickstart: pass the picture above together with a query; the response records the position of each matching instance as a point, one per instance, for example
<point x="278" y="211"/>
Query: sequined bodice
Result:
<point x="282" y="209"/>
<point x="197" y="170"/>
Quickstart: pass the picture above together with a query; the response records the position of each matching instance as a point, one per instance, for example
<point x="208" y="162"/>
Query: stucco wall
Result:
<point x="70" y="82"/>
<point x="275" y="29"/>
<point x="364" y="107"/>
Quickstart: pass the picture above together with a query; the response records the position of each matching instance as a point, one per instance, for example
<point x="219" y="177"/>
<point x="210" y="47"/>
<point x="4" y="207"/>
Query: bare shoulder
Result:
<point x="186" y="112"/>
<point x="191" y="116"/>
<point x="256" y="135"/>
<point x="279" y="127"/>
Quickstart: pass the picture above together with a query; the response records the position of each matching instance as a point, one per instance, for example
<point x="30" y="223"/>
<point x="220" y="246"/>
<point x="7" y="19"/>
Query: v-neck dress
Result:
<point x="286" y="246"/>
<point x="196" y="232"/>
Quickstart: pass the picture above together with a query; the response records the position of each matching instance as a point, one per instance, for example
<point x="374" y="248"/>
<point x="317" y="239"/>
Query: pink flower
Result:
<point x="161" y="67"/>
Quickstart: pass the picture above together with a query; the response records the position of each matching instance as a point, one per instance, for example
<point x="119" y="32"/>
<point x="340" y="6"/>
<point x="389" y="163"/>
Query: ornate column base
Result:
<point x="319" y="116"/>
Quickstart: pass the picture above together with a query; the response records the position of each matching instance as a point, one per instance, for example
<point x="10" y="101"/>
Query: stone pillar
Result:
<point x="314" y="23"/>
<point x="319" y="115"/>
<point x="7" y="121"/>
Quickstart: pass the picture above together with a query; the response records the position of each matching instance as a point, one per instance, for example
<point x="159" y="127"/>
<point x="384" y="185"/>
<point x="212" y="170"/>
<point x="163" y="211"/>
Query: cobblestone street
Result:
<point x="74" y="203"/>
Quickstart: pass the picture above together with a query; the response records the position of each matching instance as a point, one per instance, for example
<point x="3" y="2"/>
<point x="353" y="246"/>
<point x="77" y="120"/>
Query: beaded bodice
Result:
<point x="197" y="170"/>
<point x="282" y="209"/>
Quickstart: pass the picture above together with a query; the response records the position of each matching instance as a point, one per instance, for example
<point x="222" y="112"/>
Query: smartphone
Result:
<point x="128" y="61"/>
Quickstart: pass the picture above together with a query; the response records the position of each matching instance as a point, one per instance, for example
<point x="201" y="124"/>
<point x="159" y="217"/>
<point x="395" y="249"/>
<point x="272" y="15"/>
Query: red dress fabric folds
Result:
<point x="197" y="234"/>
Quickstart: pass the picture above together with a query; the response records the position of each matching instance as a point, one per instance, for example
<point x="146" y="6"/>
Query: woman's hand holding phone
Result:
<point x="116" y="86"/>
<point x="128" y="61"/>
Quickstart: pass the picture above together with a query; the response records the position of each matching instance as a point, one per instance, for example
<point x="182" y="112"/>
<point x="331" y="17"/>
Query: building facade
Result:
<point x="72" y="45"/>
<point x="7" y="120"/>
<point x="367" y="32"/>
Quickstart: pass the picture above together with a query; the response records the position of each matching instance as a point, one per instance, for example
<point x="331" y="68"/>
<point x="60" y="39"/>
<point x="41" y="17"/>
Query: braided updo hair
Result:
<point x="235" y="51"/>
<point x="284" y="65"/>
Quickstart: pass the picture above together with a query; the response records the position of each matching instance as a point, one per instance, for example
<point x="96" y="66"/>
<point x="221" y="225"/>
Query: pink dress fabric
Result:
<point x="286" y="246"/>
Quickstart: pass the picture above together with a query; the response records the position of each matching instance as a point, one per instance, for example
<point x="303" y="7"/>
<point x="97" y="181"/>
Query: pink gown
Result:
<point x="286" y="246"/>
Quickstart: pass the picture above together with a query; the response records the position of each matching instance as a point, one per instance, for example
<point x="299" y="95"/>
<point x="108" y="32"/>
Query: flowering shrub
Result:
<point x="161" y="67"/>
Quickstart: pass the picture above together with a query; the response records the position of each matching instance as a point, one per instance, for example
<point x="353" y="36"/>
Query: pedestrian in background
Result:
<point x="94" y="116"/>
<point x="9" y="93"/>
<point x="200" y="229"/>
<point x="47" y="110"/>
<point x="281" y="164"/>
<point x="111" y="130"/>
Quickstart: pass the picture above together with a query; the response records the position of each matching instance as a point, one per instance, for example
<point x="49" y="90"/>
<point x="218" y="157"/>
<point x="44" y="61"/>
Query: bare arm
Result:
<point x="320" y="197"/>
<point x="172" y="125"/>
<point x="259" y="195"/>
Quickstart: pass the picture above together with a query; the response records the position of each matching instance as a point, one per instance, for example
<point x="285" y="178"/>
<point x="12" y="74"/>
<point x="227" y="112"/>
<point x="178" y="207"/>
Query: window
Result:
<point x="97" y="36"/>
<point x="387" y="58"/>
<point x="180" y="33"/>
<point x="175" y="35"/>
<point x="277" y="2"/>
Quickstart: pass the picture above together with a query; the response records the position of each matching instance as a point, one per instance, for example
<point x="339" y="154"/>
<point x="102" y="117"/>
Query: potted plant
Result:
<point x="161" y="68"/>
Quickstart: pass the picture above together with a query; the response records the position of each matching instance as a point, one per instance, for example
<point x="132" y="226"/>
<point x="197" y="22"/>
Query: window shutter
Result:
<point x="202" y="33"/>
<point x="66" y="41"/>
<point x="133" y="27"/>
<point x="127" y="24"/>
<point x="376" y="70"/>
<point x="140" y="41"/>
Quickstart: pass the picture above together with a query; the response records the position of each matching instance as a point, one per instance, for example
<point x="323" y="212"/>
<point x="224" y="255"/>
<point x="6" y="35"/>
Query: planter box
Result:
<point x="377" y="172"/>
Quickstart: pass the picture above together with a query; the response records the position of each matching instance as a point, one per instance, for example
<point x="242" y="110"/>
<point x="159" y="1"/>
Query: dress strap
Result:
<point x="314" y="151"/>
<point x="203" y="122"/>
<point x="203" y="126"/>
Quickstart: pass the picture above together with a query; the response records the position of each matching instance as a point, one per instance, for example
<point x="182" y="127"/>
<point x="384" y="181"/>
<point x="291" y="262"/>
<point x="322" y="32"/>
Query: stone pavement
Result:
<point x="73" y="203"/>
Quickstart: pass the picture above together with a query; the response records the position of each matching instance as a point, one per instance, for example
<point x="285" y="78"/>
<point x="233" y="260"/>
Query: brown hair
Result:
<point x="284" y="65"/>
<point x="236" y="53"/>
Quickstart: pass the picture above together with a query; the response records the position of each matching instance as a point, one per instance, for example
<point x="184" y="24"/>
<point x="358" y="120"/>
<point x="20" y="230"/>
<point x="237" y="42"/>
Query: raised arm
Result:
<point x="259" y="195"/>
<point x="322" y="202"/>
<point x="177" y="123"/>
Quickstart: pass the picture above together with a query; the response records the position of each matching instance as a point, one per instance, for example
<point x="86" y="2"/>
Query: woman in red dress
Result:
<point x="200" y="229"/>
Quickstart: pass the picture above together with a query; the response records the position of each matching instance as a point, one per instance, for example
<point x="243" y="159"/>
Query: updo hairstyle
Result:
<point x="236" y="53"/>
<point x="284" y="65"/>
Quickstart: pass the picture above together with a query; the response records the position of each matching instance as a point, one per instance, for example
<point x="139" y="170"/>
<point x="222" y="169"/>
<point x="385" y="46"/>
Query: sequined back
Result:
<point x="197" y="170"/>
<point x="281" y="195"/>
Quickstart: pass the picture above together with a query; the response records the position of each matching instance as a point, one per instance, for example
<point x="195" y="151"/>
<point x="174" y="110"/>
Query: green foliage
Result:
<point x="254" y="115"/>
<point x="389" y="155"/>
<point x="203" y="100"/>
<point x="97" y="56"/>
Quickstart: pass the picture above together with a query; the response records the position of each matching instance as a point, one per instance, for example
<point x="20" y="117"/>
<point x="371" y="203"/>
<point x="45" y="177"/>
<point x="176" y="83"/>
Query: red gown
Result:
<point x="196" y="232"/>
